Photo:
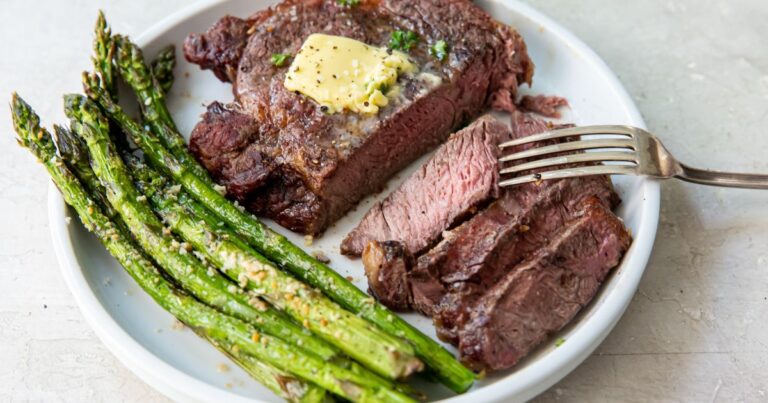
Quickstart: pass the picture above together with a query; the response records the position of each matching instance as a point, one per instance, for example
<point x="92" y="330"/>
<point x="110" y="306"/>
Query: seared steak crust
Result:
<point x="324" y="164"/>
<point x="386" y="267"/>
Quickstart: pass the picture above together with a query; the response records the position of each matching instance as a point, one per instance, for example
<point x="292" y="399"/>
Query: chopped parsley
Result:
<point x="279" y="59"/>
<point x="403" y="40"/>
<point x="439" y="50"/>
<point x="559" y="342"/>
<point x="348" y="3"/>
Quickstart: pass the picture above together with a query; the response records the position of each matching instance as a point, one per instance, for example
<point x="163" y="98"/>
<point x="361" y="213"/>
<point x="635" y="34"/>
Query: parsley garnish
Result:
<point x="278" y="59"/>
<point x="559" y="342"/>
<point x="348" y="3"/>
<point x="403" y="40"/>
<point x="439" y="50"/>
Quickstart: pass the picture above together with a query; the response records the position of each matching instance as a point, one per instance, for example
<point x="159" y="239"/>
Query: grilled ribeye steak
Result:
<point x="442" y="191"/>
<point x="285" y="158"/>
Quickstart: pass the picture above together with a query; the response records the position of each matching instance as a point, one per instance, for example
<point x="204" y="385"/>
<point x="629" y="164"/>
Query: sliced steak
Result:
<point x="461" y="175"/>
<point x="541" y="295"/>
<point x="447" y="281"/>
<point x="475" y="255"/>
<point x="323" y="164"/>
<point x="386" y="267"/>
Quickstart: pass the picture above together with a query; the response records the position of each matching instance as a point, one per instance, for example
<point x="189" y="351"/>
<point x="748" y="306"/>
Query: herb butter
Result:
<point x="344" y="74"/>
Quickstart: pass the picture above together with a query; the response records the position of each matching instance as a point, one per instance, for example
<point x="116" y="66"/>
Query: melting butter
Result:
<point x="344" y="74"/>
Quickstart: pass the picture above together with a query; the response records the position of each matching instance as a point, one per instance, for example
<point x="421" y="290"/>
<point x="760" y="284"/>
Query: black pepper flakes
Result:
<point x="324" y="108"/>
<point x="366" y="103"/>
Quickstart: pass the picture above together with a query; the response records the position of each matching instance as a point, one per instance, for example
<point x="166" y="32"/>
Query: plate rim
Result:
<point x="540" y="375"/>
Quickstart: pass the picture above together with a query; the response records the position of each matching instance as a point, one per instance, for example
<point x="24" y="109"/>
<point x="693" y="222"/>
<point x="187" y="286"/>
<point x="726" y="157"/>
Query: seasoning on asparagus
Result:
<point x="175" y="257"/>
<point x="387" y="355"/>
<point x="120" y="245"/>
<point x="145" y="227"/>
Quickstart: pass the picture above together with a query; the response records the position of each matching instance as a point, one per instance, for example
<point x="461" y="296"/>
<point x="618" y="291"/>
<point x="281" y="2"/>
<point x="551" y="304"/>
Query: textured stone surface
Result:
<point x="696" y="330"/>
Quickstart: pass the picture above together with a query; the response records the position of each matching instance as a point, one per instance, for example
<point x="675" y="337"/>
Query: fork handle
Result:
<point x="722" y="179"/>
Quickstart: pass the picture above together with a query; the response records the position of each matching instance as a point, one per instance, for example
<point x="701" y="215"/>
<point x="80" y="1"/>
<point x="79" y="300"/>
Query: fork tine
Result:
<point x="572" y="159"/>
<point x="570" y="131"/>
<point x="571" y="173"/>
<point x="570" y="146"/>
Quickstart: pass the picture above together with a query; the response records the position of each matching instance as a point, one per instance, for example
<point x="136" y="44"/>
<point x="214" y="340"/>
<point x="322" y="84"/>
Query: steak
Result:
<point x="462" y="174"/>
<point x="386" y="267"/>
<point x="541" y="295"/>
<point x="281" y="156"/>
<point x="451" y="281"/>
<point x="478" y="253"/>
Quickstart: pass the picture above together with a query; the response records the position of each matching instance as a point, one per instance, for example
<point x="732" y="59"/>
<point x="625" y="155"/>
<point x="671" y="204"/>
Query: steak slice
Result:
<point x="386" y="267"/>
<point x="320" y="165"/>
<point x="541" y="295"/>
<point x="475" y="255"/>
<point x="461" y="175"/>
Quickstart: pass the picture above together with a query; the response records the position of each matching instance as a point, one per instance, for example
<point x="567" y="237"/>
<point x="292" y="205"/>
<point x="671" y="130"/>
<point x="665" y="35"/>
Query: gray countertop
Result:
<point x="695" y="331"/>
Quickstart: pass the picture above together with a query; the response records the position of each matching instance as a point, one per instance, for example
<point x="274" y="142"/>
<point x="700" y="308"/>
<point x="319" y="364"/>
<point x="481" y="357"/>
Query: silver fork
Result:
<point x="638" y="151"/>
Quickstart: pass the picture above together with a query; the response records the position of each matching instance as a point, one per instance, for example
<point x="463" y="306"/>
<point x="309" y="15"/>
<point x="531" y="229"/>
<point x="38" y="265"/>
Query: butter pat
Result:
<point x="344" y="74"/>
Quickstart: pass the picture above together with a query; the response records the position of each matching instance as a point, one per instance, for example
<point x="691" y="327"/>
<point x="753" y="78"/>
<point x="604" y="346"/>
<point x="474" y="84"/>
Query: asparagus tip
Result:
<point x="101" y="22"/>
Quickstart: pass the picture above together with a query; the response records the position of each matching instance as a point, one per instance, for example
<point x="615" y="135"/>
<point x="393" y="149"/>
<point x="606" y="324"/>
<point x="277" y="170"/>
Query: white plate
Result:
<point x="184" y="367"/>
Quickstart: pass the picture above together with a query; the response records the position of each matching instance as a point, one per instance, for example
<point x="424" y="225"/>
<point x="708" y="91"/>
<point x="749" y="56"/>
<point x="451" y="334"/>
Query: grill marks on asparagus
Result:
<point x="120" y="245"/>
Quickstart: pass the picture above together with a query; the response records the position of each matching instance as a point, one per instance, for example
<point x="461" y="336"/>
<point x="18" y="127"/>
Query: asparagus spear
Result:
<point x="267" y="375"/>
<point x="389" y="356"/>
<point x="103" y="55"/>
<point x="279" y="249"/>
<point x="120" y="245"/>
<point x="144" y="225"/>
<point x="198" y="211"/>
<point x="133" y="70"/>
<point x="206" y="284"/>
<point x="75" y="155"/>
<point x="162" y="67"/>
